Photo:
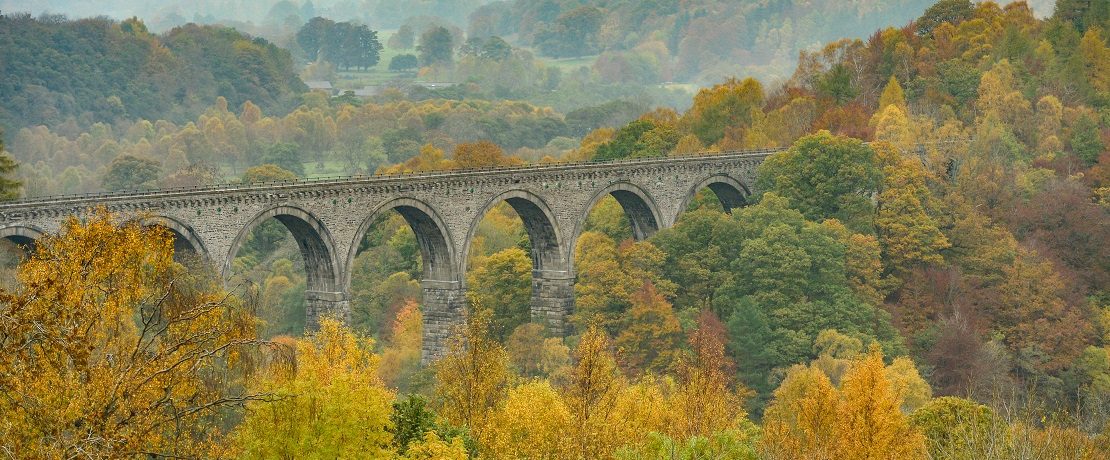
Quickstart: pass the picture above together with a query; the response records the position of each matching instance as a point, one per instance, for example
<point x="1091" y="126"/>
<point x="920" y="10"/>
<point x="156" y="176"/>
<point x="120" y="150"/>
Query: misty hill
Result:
<point x="164" y="14"/>
<point x="99" y="70"/>
<point x="697" y="41"/>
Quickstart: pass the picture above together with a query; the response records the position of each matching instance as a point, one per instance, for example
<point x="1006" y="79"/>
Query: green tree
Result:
<point x="789" y="282"/>
<point x="502" y="283"/>
<point x="957" y="428"/>
<point x="411" y="419"/>
<point x="129" y="172"/>
<point x="286" y="156"/>
<point x="314" y="36"/>
<point x="826" y="176"/>
<point x="403" y="39"/>
<point x="436" y="47"/>
<point x="1085" y="140"/>
<point x="950" y="11"/>
<point x="403" y="63"/>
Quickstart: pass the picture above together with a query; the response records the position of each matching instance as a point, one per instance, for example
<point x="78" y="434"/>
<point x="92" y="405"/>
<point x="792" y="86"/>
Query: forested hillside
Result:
<point x="925" y="274"/>
<point x="72" y="74"/>
<point x="699" y="41"/>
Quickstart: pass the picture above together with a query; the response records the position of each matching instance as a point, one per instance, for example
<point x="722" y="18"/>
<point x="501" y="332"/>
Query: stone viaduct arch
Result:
<point x="328" y="219"/>
<point x="552" y="275"/>
<point x="442" y="283"/>
<point x="322" y="295"/>
<point x="184" y="238"/>
<point x="23" y="236"/>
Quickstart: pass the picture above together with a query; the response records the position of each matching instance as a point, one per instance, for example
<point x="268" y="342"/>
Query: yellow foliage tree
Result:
<point x="908" y="234"/>
<point x="472" y="379"/>
<point x="809" y="418"/>
<point x="705" y="401"/>
<point x="591" y="396"/>
<point x="801" y="422"/>
<point x="532" y="423"/>
<point x="401" y="358"/>
<point x="328" y="401"/>
<point x="112" y="350"/>
<point x="893" y="95"/>
<point x="871" y="424"/>
<point x="434" y="448"/>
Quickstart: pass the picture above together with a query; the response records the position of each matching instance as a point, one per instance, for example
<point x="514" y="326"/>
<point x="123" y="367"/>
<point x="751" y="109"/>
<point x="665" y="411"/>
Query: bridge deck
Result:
<point x="376" y="179"/>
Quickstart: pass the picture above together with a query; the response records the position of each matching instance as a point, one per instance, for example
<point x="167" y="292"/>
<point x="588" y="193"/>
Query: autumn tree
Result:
<point x="908" y="233"/>
<point x="871" y="423"/>
<point x="482" y="154"/>
<point x="724" y="106"/>
<point x="651" y="334"/>
<point x="400" y="358"/>
<point x="591" y="393"/>
<point x="113" y="349"/>
<point x="810" y="418"/>
<point x="328" y="400"/>
<point x="801" y="422"/>
<point x="708" y="400"/>
<point x="472" y="379"/>
<point x="893" y="95"/>
<point x="267" y="173"/>
<point x="521" y="429"/>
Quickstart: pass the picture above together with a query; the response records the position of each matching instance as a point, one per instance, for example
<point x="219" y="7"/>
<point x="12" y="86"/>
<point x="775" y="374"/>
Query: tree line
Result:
<point x="74" y="73"/>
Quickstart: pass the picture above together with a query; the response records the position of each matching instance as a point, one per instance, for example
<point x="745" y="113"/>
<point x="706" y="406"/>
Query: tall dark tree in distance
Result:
<point x="436" y="46"/>
<point x="314" y="36"/>
<point x="344" y="44"/>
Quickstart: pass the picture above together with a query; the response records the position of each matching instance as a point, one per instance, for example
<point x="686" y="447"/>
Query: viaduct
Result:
<point x="328" y="218"/>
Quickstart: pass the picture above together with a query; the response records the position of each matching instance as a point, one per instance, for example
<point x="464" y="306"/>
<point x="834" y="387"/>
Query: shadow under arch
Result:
<point x="313" y="239"/>
<point x="23" y="236"/>
<point x="730" y="192"/>
<point x="540" y="224"/>
<point x="437" y="250"/>
<point x="639" y="207"/>
<point x="185" y="240"/>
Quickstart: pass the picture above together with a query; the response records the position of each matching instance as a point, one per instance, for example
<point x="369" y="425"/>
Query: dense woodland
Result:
<point x="925" y="275"/>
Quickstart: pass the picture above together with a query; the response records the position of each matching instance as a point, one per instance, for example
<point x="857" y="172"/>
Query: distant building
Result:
<point x="322" y="86"/>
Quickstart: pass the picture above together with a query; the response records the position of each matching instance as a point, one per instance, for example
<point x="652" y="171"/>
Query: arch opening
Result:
<point x="717" y="190"/>
<point x="187" y="246"/>
<point x="401" y="258"/>
<point x="516" y="264"/>
<point x="287" y="256"/>
<point x="16" y="244"/>
<point x="620" y="211"/>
